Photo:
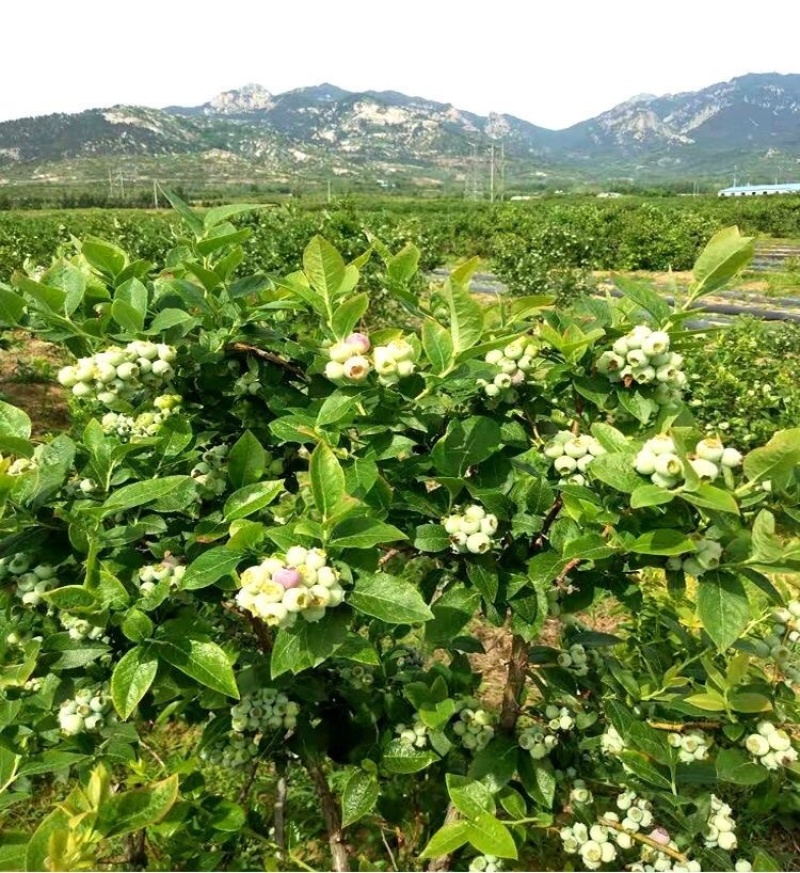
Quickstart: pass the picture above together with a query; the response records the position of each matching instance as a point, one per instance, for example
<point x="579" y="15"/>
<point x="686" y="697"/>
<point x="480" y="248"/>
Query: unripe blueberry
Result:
<point x="67" y="377"/>
<point x="127" y="371"/>
<point x="71" y="723"/>
<point x="644" y="375"/>
<point x="553" y="450"/>
<point x="494" y="356"/>
<point x="315" y="559"/>
<point x="161" y="368"/>
<point x="287" y="577"/>
<point x="508" y="366"/>
<point x="610" y="362"/>
<point x="710" y="449"/>
<point x="478" y="543"/>
<point x="575" y="448"/>
<point x="489" y="525"/>
<point x="621" y="347"/>
<point x="81" y="389"/>
<point x="727" y="841"/>
<point x="731" y="458"/>
<point x="340" y="352"/>
<point x="356" y="368"/>
<point x="405" y="368"/>
<point x="491" y="391"/>
<point x="706" y="470"/>
<point x="514" y="350"/>
<point x="669" y="465"/>
<point x="401" y="350"/>
<point x="565" y="465"/>
<point x="663" y="481"/>
<point x="358" y="342"/>
<point x="452" y="524"/>
<point x="637" y="358"/>
<point x="645" y="462"/>
<point x="656" y="344"/>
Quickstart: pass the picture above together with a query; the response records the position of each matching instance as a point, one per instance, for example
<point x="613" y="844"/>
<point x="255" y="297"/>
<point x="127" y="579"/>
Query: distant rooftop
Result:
<point x="744" y="190"/>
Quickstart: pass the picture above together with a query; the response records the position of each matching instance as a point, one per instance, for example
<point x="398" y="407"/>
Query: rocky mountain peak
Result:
<point x="250" y="98"/>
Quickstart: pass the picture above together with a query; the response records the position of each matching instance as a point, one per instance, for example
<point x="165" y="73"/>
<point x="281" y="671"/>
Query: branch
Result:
<point x="678" y="726"/>
<point x="271" y="357"/>
<point x="541" y="538"/>
<point x="641" y="838"/>
<point x="330" y="814"/>
<point x="262" y="632"/>
<point x="515" y="683"/>
<point x="136" y="852"/>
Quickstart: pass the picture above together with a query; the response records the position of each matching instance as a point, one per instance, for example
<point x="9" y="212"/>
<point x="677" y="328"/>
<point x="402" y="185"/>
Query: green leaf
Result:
<point x="327" y="480"/>
<point x="750" y="702"/>
<point x="777" y="460"/>
<point x="14" y="422"/>
<point x="390" y="599"/>
<point x="325" y="270"/>
<point x="402" y="267"/>
<point x="450" y="613"/>
<point x="538" y="779"/>
<point x="11" y="306"/>
<point x="190" y="218"/>
<point x="465" y="444"/>
<point x="466" y="316"/>
<point x="722" y="607"/>
<point x="336" y="407"/>
<point x="470" y="797"/>
<point x="734" y="766"/>
<point x="71" y="597"/>
<point x="491" y="837"/>
<point x="763" y="862"/>
<point x="364" y="533"/>
<point x="617" y="471"/>
<point x="709" y="497"/>
<point x="610" y="438"/>
<point x="438" y="345"/>
<point x="210" y="567"/>
<point x="38" y="851"/>
<point x="400" y="758"/>
<point x="252" y="498"/>
<point x="359" y="797"/>
<point x="644" y="297"/>
<point x="13" y="844"/>
<point x="650" y="495"/>
<point x="446" y="840"/>
<point x="431" y="538"/>
<point x="662" y="542"/>
<point x="308" y="644"/>
<point x="138" y="808"/>
<point x="640" y="766"/>
<point x="347" y="314"/>
<point x="205" y="662"/>
<point x="132" y="678"/>
<point x="726" y="253"/>
<point x="142" y="493"/>
<point x="137" y="626"/>
<point x="247" y="461"/>
<point x="104" y="256"/>
<point x="169" y="318"/>
<point x="496" y="764"/>
<point x="220" y="214"/>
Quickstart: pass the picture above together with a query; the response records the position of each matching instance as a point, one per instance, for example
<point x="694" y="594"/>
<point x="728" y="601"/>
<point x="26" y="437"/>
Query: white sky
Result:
<point x="551" y="63"/>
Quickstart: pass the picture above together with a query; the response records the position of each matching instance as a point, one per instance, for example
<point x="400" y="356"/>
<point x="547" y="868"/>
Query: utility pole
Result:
<point x="491" y="173"/>
<point x="473" y="189"/>
<point x="155" y="194"/>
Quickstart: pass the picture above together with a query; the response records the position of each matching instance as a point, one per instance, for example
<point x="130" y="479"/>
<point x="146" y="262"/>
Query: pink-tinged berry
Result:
<point x="660" y="836"/>
<point x="287" y="577"/>
<point x="359" y="343"/>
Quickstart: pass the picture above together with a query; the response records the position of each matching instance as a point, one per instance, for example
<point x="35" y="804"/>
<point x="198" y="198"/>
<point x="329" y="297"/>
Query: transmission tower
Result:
<point x="473" y="183"/>
<point x="497" y="171"/>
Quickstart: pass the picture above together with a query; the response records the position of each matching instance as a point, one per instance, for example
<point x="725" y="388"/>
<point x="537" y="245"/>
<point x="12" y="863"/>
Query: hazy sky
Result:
<point x="551" y="63"/>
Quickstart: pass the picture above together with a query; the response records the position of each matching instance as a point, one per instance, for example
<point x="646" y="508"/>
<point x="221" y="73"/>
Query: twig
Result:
<point x="136" y="852"/>
<point x="153" y="752"/>
<point x="279" y="810"/>
<point x="262" y="632"/>
<point x="678" y="726"/>
<point x="568" y="568"/>
<point x="389" y="850"/>
<point x="330" y="814"/>
<point x="392" y="553"/>
<point x="245" y="349"/>
<point x="654" y="844"/>
<point x="248" y="783"/>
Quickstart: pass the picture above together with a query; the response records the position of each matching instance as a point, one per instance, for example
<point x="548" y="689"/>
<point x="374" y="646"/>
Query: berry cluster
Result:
<point x="611" y="742"/>
<point x="264" y="710"/>
<point x="593" y="844"/>
<point x="394" y="361"/>
<point x="248" y="383"/>
<point x="485" y="864"/>
<point x="119" y="373"/>
<point x="572" y="455"/>
<point x="238" y="751"/>
<point x="637" y="814"/>
<point x="780" y="645"/>
<point x="642" y="357"/>
<point x="706" y="557"/>
<point x="415" y="737"/>
<point x="81" y="629"/>
<point x="580" y="794"/>
<point x="659" y="460"/>
<point x="575" y="660"/>
<point x="720" y="828"/>
<point x="31" y="586"/>
<point x="471" y="530"/>
<point x="770" y="746"/>
<point x="348" y="360"/>
<point x="87" y="712"/>
<point x="691" y="746"/>
<point x="474" y="725"/>
<point x="146" y="424"/>
<point x="514" y="365"/>
<point x="278" y="590"/>
<point x="358" y="676"/>
<point x="167" y="570"/>
<point x="211" y="474"/>
<point x="654" y="861"/>
<point x="537" y="741"/>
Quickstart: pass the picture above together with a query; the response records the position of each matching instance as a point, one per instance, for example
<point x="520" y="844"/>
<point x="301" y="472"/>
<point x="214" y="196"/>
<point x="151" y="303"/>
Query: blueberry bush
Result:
<point x="289" y="538"/>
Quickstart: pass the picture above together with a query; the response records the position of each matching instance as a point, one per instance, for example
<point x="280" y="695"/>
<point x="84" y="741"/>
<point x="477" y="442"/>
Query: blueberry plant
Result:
<point x="291" y="539"/>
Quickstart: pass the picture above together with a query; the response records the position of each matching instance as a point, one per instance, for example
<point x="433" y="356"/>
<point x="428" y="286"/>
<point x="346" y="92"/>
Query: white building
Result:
<point x="760" y="190"/>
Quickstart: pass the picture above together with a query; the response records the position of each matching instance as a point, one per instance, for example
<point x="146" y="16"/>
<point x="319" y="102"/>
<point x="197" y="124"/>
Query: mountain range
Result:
<point x="384" y="139"/>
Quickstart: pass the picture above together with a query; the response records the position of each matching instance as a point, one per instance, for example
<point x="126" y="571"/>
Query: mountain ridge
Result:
<point x="390" y="139"/>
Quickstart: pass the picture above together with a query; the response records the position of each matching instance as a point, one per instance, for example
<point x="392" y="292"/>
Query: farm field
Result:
<point x="314" y="561"/>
